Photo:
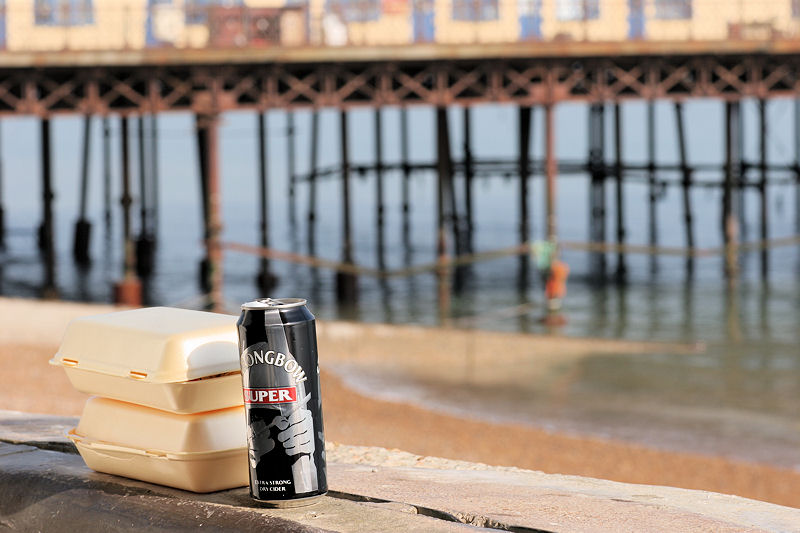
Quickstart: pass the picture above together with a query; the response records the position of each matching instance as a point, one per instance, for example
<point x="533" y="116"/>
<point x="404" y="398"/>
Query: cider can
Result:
<point x="280" y="382"/>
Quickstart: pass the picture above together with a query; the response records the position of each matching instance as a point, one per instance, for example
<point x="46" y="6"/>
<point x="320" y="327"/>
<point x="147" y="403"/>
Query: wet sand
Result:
<point x="31" y="385"/>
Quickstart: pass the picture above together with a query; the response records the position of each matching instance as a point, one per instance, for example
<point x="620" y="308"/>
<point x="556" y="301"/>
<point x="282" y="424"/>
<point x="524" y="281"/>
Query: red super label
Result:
<point x="268" y="396"/>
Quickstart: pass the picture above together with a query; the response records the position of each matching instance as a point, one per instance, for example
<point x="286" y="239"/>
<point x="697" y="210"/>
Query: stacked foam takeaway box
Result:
<point x="168" y="396"/>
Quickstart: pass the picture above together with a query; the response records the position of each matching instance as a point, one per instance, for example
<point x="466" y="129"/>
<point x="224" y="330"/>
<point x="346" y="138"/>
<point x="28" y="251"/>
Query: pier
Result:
<point x="130" y="83"/>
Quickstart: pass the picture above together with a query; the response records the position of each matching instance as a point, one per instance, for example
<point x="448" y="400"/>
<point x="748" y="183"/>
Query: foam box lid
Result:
<point x="156" y="344"/>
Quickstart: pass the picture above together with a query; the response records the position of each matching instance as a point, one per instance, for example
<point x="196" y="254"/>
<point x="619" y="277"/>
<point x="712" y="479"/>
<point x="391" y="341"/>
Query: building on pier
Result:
<point x="50" y="25"/>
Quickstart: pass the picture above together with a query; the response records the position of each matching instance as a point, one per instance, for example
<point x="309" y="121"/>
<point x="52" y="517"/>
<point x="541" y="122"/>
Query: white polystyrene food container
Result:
<point x="203" y="452"/>
<point x="178" y="360"/>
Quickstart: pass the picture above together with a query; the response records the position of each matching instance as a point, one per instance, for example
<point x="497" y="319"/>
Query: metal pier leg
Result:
<point x="2" y="210"/>
<point x="404" y="155"/>
<point x="208" y="141"/>
<point x="469" y="174"/>
<point x="46" y="235"/>
<point x="740" y="169"/>
<point x="144" y="244"/>
<point x="524" y="171"/>
<point x="107" y="171"/>
<point x="762" y="185"/>
<point x="597" y="196"/>
<point x="83" y="228"/>
<point x="622" y="268"/>
<point x="154" y="179"/>
<point x="143" y="229"/>
<point x="524" y="136"/>
<point x="346" y="282"/>
<point x="651" y="179"/>
<point x="729" y="226"/>
<point x="797" y="165"/>
<point x="450" y="206"/>
<point x="444" y="170"/>
<point x="290" y="163"/>
<point x="551" y="172"/>
<point x="379" y="185"/>
<point x="129" y="290"/>
<point x="264" y="279"/>
<point x="686" y="187"/>
<point x="312" y="181"/>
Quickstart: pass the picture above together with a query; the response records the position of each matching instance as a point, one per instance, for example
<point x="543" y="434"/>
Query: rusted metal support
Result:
<point x="46" y="234"/>
<point x="154" y="179"/>
<point x="265" y="279"/>
<point x="107" y="171"/>
<point x="622" y="268"/>
<point x="202" y="165"/>
<point x="83" y="228"/>
<point x="404" y="154"/>
<point x="444" y="172"/>
<point x="379" y="184"/>
<point x="290" y="165"/>
<point x="797" y="165"/>
<point x="2" y="210"/>
<point x="524" y="124"/>
<point x="208" y="140"/>
<point x="762" y="184"/>
<point x="346" y="282"/>
<point x="126" y="200"/>
<point x="686" y="185"/>
<point x="597" y="189"/>
<point x="551" y="172"/>
<point x="453" y="216"/>
<point x="469" y="174"/>
<point x="625" y="70"/>
<point x="739" y="169"/>
<point x="729" y="226"/>
<point x="143" y="229"/>
<point x="144" y="243"/>
<point x="312" y="175"/>
<point x="129" y="290"/>
<point x="652" y="191"/>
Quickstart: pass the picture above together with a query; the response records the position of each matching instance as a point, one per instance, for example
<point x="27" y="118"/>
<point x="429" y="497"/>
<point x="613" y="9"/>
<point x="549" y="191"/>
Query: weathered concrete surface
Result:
<point x="526" y="499"/>
<point x="42" y="431"/>
<point x="372" y="489"/>
<point x="43" y="490"/>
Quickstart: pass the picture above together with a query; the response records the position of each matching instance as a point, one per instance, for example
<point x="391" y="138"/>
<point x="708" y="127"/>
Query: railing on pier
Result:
<point x="56" y="25"/>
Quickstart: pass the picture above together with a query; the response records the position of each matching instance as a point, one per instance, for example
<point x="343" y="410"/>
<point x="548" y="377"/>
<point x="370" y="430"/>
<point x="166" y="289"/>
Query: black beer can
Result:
<point x="280" y="378"/>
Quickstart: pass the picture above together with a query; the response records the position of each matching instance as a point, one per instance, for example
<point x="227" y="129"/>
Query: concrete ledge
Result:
<point x="44" y="488"/>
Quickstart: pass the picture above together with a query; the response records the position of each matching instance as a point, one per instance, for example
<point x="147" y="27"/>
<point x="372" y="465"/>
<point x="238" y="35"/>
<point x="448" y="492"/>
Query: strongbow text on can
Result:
<point x="280" y="378"/>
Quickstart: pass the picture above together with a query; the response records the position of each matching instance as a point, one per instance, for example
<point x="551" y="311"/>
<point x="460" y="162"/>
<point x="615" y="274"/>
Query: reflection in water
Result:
<point x="688" y="323"/>
<point x="82" y="281"/>
<point x="621" y="324"/>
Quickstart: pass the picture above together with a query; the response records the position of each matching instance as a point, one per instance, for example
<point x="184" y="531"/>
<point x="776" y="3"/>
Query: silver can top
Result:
<point x="274" y="303"/>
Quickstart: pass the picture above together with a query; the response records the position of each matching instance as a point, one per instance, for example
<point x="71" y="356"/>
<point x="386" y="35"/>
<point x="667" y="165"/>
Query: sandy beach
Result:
<point x="30" y="384"/>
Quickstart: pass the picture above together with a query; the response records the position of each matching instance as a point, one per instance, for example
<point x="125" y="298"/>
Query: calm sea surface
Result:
<point x="737" y="394"/>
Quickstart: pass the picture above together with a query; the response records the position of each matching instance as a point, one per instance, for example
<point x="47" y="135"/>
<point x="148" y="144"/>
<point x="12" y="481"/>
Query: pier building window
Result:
<point x="475" y="10"/>
<point x="673" y="9"/>
<point x="577" y="9"/>
<point x="63" y="12"/>
<point x="197" y="10"/>
<point x="357" y="10"/>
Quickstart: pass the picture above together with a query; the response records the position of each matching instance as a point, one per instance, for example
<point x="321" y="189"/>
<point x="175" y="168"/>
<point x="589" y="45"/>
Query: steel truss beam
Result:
<point x="214" y="88"/>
